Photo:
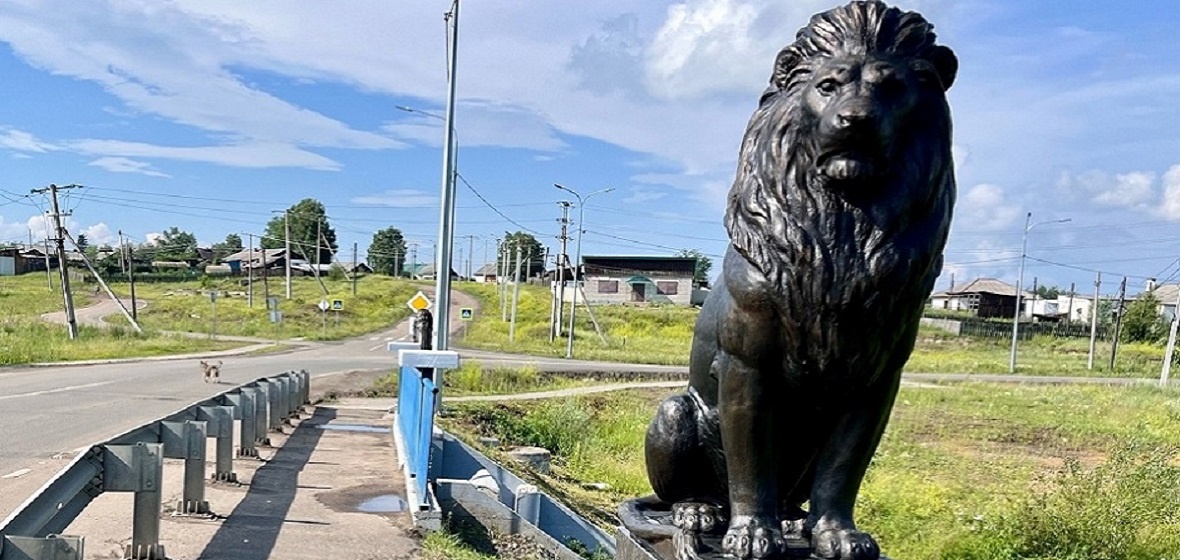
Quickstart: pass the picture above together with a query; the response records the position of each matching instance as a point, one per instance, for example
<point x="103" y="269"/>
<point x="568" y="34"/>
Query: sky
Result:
<point x="209" y="115"/>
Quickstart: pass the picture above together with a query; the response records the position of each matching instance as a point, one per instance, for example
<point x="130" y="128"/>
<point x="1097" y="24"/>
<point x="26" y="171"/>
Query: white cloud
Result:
<point x="1131" y="190"/>
<point x="22" y="141"/>
<point x="1170" y="206"/>
<point x="482" y="124"/>
<point x="151" y="238"/>
<point x="985" y="207"/>
<point x="640" y="195"/>
<point x="125" y="165"/>
<point x="257" y="155"/>
<point x="399" y="198"/>
<point x="101" y="234"/>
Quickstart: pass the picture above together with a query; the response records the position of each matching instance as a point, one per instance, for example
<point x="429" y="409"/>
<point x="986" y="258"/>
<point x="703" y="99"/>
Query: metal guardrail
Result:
<point x="134" y="460"/>
<point x="416" y="399"/>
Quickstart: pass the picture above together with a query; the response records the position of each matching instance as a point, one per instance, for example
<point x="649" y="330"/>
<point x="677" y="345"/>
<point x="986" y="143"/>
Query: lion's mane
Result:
<point x="826" y="249"/>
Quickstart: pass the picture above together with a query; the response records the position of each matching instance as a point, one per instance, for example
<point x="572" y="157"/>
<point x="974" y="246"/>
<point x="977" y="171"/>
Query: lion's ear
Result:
<point x="946" y="64"/>
<point x="786" y="61"/>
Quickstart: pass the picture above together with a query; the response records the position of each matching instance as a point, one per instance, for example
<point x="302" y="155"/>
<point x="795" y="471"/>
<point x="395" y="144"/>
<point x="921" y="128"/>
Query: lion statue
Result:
<point x="837" y="219"/>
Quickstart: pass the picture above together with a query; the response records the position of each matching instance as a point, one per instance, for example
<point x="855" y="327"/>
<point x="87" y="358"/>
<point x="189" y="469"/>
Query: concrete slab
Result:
<point x="324" y="491"/>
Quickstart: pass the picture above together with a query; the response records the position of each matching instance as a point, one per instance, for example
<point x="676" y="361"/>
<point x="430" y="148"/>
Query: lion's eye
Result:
<point x="827" y="86"/>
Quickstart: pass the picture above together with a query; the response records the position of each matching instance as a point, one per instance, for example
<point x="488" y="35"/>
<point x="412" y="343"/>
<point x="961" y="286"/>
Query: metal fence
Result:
<point x="416" y="399"/>
<point x="134" y="462"/>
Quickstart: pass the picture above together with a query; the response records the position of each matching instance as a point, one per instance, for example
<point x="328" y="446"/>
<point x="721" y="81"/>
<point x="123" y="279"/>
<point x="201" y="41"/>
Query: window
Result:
<point x="667" y="288"/>
<point x="608" y="286"/>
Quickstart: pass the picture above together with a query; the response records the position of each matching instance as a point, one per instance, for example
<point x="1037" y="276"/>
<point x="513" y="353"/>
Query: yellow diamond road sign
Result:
<point x="419" y="302"/>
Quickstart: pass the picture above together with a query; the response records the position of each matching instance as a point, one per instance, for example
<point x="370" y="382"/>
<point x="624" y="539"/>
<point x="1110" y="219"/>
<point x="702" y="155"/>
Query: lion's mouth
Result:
<point x="847" y="166"/>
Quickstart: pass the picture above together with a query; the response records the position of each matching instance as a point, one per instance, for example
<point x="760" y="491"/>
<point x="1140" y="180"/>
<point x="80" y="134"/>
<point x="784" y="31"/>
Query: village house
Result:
<point x="637" y="279"/>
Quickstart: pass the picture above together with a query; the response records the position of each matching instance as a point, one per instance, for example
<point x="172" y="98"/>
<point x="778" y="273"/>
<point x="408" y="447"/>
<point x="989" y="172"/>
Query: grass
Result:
<point x="663" y="335"/>
<point x="971" y="471"/>
<point x="26" y="338"/>
<point x="380" y="303"/>
<point x="658" y="334"/>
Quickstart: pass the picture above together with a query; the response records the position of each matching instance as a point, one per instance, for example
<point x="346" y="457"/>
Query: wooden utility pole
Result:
<point x="1166" y="371"/>
<point x="1094" y="320"/>
<point x="250" y="273"/>
<point x="563" y="260"/>
<point x="515" y="296"/>
<point x="48" y="270"/>
<point x="1118" y="323"/>
<point x="101" y="282"/>
<point x="1069" y="308"/>
<point x="71" y="320"/>
<point x="505" y="259"/>
<point x="355" y="271"/>
<point x="287" y="247"/>
<point x="129" y="256"/>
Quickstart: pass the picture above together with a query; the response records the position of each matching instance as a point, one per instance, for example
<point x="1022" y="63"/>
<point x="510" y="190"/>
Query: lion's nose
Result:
<point x="852" y="115"/>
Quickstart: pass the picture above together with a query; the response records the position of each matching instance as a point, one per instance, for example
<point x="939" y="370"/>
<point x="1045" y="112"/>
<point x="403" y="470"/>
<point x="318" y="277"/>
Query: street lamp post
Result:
<point x="569" y="344"/>
<point x="1019" y="280"/>
<point x="446" y="227"/>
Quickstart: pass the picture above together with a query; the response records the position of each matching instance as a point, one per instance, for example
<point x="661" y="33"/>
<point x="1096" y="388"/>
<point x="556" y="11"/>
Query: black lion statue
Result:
<point x="837" y="219"/>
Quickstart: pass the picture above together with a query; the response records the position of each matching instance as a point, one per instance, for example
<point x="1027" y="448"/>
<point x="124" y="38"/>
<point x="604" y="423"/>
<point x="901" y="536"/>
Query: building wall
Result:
<point x="676" y="291"/>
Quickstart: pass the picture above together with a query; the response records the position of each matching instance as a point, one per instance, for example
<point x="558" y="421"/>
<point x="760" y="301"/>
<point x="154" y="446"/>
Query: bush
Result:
<point x="1141" y="322"/>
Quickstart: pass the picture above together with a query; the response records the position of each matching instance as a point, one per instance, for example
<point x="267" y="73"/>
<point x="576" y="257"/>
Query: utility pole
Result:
<point x="1167" y="369"/>
<point x="287" y="247"/>
<point x="71" y="321"/>
<point x="562" y="263"/>
<point x="1069" y="307"/>
<point x="1094" y="320"/>
<point x="569" y="343"/>
<point x="1118" y="323"/>
<point x="318" y="225"/>
<point x="515" y="297"/>
<point x="354" y="270"/>
<point x="104" y="285"/>
<point x="505" y="259"/>
<point x="48" y="271"/>
<point x="250" y="273"/>
<point x="470" y="253"/>
<point x="129" y="255"/>
<point x="446" y="233"/>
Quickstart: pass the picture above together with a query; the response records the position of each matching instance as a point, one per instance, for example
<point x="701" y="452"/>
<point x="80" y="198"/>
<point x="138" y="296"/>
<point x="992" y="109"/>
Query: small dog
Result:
<point x="212" y="371"/>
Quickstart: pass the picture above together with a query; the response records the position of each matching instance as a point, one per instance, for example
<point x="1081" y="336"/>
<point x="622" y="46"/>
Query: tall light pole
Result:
<point x="446" y="222"/>
<point x="569" y="343"/>
<point x="1019" y="280"/>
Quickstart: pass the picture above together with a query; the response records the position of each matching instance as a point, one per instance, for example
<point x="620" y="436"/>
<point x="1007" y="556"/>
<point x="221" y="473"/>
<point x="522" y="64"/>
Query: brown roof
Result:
<point x="985" y="286"/>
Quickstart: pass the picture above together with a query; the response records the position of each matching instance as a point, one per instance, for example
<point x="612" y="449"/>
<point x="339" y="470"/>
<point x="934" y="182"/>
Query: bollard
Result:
<point x="138" y="468"/>
<point x="293" y="393"/>
<point x="221" y="426"/>
<point x="305" y="398"/>
<point x="249" y="407"/>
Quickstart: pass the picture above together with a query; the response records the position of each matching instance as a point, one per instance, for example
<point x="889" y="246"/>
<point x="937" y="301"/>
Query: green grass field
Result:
<point x="26" y="338"/>
<point x="971" y="471"/>
<point x="380" y="303"/>
<point x="663" y="335"/>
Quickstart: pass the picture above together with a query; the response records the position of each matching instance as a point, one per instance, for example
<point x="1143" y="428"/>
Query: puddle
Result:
<point x="388" y="503"/>
<point x="366" y="428"/>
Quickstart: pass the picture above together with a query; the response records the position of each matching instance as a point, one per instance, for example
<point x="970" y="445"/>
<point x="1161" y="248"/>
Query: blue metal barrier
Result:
<point x="415" y="413"/>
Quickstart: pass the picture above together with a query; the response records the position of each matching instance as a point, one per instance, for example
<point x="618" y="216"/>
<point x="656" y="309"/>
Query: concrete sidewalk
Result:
<point x="304" y="499"/>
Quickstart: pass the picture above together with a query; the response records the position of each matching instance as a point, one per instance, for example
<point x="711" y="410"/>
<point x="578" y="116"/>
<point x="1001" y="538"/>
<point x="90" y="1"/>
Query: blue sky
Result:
<point x="209" y="114"/>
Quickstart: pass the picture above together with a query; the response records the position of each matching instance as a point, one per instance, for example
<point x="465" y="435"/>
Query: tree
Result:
<point x="307" y="217"/>
<point x="387" y="252"/>
<point x="1048" y="292"/>
<point x="1142" y="322"/>
<point x="82" y="242"/>
<point x="532" y="253"/>
<point x="172" y="245"/>
<point x="704" y="265"/>
<point x="231" y="245"/>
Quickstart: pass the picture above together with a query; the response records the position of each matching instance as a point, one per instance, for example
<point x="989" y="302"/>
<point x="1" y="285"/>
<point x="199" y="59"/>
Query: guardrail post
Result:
<point x="53" y="547"/>
<point x="275" y="404"/>
<point x="305" y="398"/>
<point x="221" y="426"/>
<point x="138" y="468"/>
<point x="261" y="412"/>
<point x="284" y="398"/>
<point x="249" y="407"/>
<point x="186" y="440"/>
<point x="296" y="392"/>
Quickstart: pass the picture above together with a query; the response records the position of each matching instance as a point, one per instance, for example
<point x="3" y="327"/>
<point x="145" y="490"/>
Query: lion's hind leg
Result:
<point x="679" y="465"/>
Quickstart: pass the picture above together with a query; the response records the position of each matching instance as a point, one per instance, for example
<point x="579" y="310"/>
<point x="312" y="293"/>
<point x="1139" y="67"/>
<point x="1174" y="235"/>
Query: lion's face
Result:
<point x="857" y="109"/>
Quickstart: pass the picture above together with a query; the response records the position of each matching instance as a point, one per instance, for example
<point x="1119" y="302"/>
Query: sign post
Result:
<point x="213" y="324"/>
<point x="337" y="307"/>
<point x="324" y="316"/>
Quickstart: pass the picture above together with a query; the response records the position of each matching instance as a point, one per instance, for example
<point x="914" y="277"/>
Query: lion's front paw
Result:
<point x="752" y="537"/>
<point x="697" y="517"/>
<point x="844" y="544"/>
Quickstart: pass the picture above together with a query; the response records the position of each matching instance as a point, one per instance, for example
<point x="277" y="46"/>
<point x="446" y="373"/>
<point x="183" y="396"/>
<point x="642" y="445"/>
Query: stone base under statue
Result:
<point x="647" y="533"/>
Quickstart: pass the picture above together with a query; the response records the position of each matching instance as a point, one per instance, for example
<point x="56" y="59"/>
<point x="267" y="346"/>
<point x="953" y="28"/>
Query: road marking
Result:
<point x="57" y="390"/>
<point x="17" y="474"/>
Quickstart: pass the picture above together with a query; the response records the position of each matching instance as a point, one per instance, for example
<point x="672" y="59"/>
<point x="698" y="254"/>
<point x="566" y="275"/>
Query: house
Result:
<point x="486" y="273"/>
<point x="987" y="297"/>
<point x="18" y="260"/>
<point x="360" y="267"/>
<point x="425" y="271"/>
<point x="638" y="279"/>
<point x="273" y="261"/>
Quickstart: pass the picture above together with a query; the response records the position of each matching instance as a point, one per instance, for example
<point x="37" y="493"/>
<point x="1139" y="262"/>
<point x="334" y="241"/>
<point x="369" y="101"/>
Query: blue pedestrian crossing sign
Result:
<point x="467" y="314"/>
<point x="337" y="305"/>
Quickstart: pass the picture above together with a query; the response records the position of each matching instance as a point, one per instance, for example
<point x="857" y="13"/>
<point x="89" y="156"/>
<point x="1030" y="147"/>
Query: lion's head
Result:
<point x="850" y="143"/>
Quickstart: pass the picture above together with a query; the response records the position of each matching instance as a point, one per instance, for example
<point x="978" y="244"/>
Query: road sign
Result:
<point x="276" y="316"/>
<point x="272" y="303"/>
<point x="337" y="304"/>
<point x="467" y="314"/>
<point x="323" y="305"/>
<point x="419" y="302"/>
